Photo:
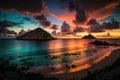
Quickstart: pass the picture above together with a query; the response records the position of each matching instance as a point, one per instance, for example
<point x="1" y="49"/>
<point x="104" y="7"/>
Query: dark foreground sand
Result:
<point x="103" y="70"/>
<point x="108" y="61"/>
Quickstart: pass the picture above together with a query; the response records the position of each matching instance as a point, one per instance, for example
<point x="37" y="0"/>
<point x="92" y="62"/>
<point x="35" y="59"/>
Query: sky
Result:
<point x="30" y="14"/>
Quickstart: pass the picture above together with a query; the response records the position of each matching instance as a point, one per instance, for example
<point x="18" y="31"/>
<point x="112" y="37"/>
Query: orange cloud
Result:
<point x="65" y="16"/>
<point x="103" y="12"/>
<point x="103" y="16"/>
<point x="97" y="14"/>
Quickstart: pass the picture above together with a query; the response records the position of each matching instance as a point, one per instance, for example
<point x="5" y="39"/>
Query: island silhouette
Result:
<point x="36" y="34"/>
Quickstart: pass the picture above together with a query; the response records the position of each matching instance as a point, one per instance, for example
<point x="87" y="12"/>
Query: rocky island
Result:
<point x="98" y="42"/>
<point x="37" y="34"/>
<point x="88" y="37"/>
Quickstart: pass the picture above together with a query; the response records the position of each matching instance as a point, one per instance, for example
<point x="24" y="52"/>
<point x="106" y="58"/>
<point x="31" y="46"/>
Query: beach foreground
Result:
<point x="104" y="64"/>
<point x="106" y="69"/>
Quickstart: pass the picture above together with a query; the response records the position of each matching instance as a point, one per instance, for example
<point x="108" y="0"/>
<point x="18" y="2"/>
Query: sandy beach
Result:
<point x="110" y="58"/>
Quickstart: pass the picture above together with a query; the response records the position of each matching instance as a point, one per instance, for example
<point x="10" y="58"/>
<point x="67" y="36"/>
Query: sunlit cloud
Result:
<point x="65" y="16"/>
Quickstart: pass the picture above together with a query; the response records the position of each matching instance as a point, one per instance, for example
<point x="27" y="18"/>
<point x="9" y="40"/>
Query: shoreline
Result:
<point x="73" y="66"/>
<point x="12" y="72"/>
<point x="111" y="58"/>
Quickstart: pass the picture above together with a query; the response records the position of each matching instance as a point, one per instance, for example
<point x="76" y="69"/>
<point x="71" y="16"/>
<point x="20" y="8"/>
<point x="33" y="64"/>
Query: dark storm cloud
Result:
<point x="7" y="23"/>
<point x="6" y="31"/>
<point x="63" y="0"/>
<point x="96" y="4"/>
<point x="96" y="29"/>
<point x="94" y="26"/>
<point x="81" y="16"/>
<point x="11" y="32"/>
<point x="43" y="20"/>
<point x="65" y="27"/>
<point x="4" y="25"/>
<point x="34" y="7"/>
<point x="84" y="8"/>
<point x="113" y="24"/>
<point x="93" y="22"/>
<point x="23" y="6"/>
<point x="54" y="27"/>
<point x="78" y="29"/>
<point x="71" y="6"/>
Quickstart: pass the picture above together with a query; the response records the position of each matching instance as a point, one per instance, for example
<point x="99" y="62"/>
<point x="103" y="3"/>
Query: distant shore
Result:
<point x="108" y="61"/>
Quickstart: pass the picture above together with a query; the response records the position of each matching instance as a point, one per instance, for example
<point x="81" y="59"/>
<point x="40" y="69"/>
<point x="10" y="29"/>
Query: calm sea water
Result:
<point x="44" y="53"/>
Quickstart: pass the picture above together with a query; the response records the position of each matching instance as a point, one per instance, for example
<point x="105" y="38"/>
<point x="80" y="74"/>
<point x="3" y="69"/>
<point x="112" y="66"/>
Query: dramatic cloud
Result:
<point x="43" y="20"/>
<point x="93" y="22"/>
<point x="81" y="16"/>
<point x="113" y="24"/>
<point x="97" y="9"/>
<point x="65" y="16"/>
<point x="80" y="12"/>
<point x="7" y="23"/>
<point x="63" y="0"/>
<point x="95" y="27"/>
<point x="85" y="10"/>
<point x="54" y="27"/>
<point x="23" y="6"/>
<point x="97" y="4"/>
<point x="71" y="6"/>
<point x="65" y="27"/>
<point x="4" y="25"/>
<point x="78" y="29"/>
<point x="11" y="32"/>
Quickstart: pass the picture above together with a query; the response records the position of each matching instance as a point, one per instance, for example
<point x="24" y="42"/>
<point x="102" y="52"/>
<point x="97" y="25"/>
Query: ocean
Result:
<point x="46" y="53"/>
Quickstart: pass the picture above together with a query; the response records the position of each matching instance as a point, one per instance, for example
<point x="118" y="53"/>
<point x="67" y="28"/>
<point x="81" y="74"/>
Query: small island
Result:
<point x="88" y="37"/>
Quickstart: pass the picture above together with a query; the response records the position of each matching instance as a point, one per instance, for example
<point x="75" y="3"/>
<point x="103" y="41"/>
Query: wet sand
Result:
<point x="110" y="58"/>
